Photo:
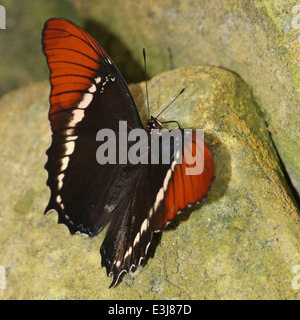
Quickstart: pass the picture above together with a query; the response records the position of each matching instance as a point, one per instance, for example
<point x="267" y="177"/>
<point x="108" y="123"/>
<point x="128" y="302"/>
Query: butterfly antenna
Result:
<point x="146" y="80"/>
<point x="182" y="90"/>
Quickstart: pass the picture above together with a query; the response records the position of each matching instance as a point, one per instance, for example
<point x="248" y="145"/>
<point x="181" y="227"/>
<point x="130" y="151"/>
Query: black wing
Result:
<point x="158" y="192"/>
<point x="88" y="93"/>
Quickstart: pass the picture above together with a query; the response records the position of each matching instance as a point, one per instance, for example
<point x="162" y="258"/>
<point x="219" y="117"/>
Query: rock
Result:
<point x="258" y="40"/>
<point x="241" y="243"/>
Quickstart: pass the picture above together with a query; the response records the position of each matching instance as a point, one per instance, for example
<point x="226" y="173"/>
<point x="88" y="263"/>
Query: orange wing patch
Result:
<point x="184" y="189"/>
<point x="73" y="57"/>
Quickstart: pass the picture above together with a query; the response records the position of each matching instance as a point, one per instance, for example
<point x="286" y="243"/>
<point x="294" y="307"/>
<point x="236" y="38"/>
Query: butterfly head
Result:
<point x="153" y="123"/>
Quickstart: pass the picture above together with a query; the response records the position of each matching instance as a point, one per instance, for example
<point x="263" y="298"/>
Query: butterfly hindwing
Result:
<point x="128" y="236"/>
<point x="179" y="189"/>
<point x="158" y="193"/>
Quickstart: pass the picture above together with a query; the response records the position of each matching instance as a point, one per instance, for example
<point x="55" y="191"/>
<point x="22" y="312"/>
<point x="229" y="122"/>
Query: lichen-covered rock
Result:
<point x="241" y="243"/>
<point x="256" y="39"/>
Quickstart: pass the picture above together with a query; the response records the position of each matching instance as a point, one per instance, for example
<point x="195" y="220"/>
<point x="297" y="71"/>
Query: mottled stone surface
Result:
<point x="256" y="39"/>
<point x="241" y="243"/>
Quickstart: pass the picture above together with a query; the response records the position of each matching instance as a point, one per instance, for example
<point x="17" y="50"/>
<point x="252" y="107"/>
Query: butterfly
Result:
<point x="88" y="94"/>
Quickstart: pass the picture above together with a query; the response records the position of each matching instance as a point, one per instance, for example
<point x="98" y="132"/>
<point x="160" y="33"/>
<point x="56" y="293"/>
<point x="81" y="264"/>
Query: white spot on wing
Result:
<point x="118" y="263"/>
<point x="70" y="146"/>
<point x="167" y="179"/>
<point x="136" y="239"/>
<point x="150" y="212"/>
<point x="71" y="138"/>
<point x="60" y="181"/>
<point x="92" y="88"/>
<point x="159" y="198"/>
<point x="173" y="165"/>
<point x="86" y="100"/>
<point x="64" y="163"/>
<point x="161" y="192"/>
<point x="128" y="253"/>
<point x="144" y="226"/>
<point x="77" y="116"/>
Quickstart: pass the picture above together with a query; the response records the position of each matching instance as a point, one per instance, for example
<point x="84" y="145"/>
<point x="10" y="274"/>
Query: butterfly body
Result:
<point x="89" y="94"/>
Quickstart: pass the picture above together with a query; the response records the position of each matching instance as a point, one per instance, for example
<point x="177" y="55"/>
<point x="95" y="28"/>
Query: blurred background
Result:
<point x="22" y="62"/>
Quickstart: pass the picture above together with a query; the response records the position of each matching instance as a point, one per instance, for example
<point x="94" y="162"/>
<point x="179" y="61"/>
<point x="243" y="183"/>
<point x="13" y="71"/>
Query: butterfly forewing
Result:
<point x="80" y="69"/>
<point x="86" y="94"/>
